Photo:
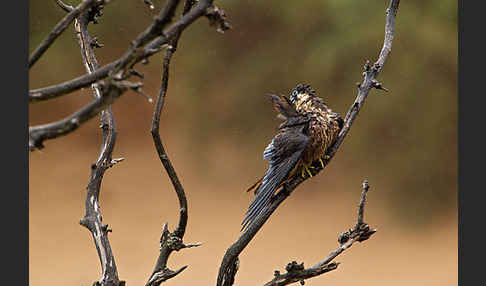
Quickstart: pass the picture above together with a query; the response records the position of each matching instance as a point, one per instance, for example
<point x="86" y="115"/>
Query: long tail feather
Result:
<point x="255" y="185"/>
<point x="273" y="179"/>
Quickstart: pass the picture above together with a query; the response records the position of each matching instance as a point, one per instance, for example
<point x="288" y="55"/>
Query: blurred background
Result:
<point x="216" y="124"/>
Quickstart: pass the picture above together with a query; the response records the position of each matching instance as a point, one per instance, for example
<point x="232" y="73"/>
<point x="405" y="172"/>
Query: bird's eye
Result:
<point x="293" y="97"/>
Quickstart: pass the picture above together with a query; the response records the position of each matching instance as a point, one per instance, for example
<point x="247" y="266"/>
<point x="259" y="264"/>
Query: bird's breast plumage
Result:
<point x="323" y="129"/>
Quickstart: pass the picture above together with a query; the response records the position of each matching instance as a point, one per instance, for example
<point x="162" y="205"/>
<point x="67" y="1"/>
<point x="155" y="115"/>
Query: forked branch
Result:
<point x="116" y="73"/>
<point x="229" y="263"/>
<point x="92" y="219"/>
<point x="59" y="28"/>
<point x="169" y="241"/>
<point x="147" y="43"/>
<point x="110" y="91"/>
<point x="360" y="232"/>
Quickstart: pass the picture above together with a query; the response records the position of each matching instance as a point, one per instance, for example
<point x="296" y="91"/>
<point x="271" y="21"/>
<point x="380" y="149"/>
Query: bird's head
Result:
<point x="301" y="93"/>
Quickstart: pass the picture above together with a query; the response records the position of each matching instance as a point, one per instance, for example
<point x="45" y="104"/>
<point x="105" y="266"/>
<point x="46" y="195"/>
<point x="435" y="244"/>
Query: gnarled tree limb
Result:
<point x="146" y="44"/>
<point x="154" y="30"/>
<point x="169" y="241"/>
<point x="92" y="219"/>
<point x="59" y="28"/>
<point x="118" y="70"/>
<point x="111" y="90"/>
<point x="360" y="232"/>
<point x="229" y="263"/>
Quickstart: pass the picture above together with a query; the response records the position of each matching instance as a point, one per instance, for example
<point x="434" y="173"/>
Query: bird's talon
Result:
<point x="322" y="163"/>
<point x="309" y="172"/>
<point x="306" y="169"/>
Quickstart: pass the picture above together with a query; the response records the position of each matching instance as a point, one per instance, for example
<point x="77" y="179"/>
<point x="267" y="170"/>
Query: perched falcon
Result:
<point x="308" y="130"/>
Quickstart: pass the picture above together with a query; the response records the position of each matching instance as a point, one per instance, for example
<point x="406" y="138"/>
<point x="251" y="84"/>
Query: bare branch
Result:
<point x="59" y="28"/>
<point x="230" y="259"/>
<point x="159" y="145"/>
<point x="202" y="8"/>
<point x="65" y="7"/>
<point x="110" y="92"/>
<point x="153" y="31"/>
<point x="93" y="219"/>
<point x="38" y="134"/>
<point x="370" y="75"/>
<point x="147" y="43"/>
<point x="296" y="272"/>
<point x="117" y="71"/>
<point x="169" y="241"/>
<point x="362" y="203"/>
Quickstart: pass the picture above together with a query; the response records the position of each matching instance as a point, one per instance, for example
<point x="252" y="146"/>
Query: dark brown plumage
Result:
<point x="308" y="130"/>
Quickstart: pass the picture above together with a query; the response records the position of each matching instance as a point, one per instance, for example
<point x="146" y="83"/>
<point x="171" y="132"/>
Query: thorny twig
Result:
<point x="92" y="219"/>
<point x="296" y="272"/>
<point x="149" y="42"/>
<point x="59" y="28"/>
<point x="126" y="60"/>
<point x="116" y="72"/>
<point x="230" y="261"/>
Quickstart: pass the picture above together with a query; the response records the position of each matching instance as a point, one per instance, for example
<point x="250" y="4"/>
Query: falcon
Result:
<point x="309" y="128"/>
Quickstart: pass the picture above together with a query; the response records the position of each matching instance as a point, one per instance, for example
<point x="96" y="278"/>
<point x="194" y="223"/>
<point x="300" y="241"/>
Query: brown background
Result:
<point x="216" y="124"/>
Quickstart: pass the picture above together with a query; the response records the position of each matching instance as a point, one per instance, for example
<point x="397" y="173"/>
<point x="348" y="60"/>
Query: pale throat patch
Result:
<point x="302" y="100"/>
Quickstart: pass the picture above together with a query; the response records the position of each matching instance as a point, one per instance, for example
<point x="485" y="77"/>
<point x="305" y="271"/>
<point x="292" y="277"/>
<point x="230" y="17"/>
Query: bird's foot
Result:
<point x="306" y="169"/>
<point x="326" y="157"/>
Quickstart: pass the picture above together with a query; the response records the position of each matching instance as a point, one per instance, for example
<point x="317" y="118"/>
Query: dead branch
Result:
<point x="111" y="90"/>
<point x="92" y="219"/>
<point x="116" y="71"/>
<point x="64" y="6"/>
<point x="230" y="261"/>
<point x="154" y="30"/>
<point x="169" y="241"/>
<point x="296" y="272"/>
<point x="59" y="28"/>
<point x="149" y="42"/>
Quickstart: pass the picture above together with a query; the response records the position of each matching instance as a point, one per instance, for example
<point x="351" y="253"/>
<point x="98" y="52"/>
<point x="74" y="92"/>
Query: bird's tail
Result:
<point x="264" y="194"/>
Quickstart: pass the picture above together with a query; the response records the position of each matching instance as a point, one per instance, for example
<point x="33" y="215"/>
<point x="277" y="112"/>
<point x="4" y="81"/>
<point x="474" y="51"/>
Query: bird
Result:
<point x="309" y="128"/>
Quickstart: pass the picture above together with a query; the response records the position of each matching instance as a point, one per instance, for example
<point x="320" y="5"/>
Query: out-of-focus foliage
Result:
<point x="405" y="139"/>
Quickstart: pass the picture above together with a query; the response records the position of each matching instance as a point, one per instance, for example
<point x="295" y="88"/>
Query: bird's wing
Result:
<point x="282" y="105"/>
<point x="289" y="115"/>
<point x="287" y="112"/>
<point x="283" y="153"/>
